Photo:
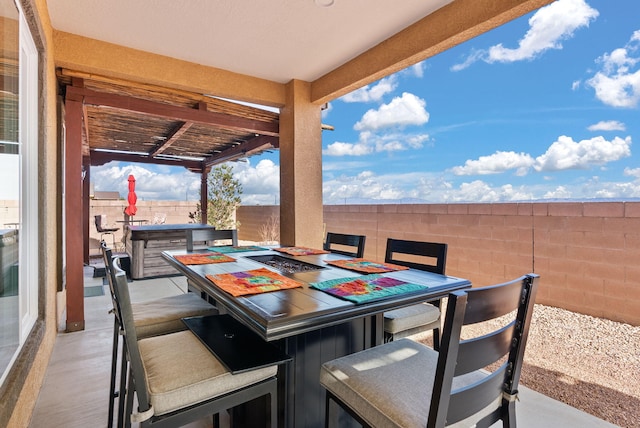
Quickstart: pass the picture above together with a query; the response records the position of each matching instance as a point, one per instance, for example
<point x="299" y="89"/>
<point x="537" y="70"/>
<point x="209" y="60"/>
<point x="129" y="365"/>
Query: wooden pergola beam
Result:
<point x="173" y="136"/>
<point x="99" y="157"/>
<point x="176" y="134"/>
<point x="243" y="149"/>
<point x="151" y="108"/>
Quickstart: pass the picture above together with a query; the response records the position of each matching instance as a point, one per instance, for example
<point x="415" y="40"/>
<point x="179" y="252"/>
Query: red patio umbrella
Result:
<point x="131" y="197"/>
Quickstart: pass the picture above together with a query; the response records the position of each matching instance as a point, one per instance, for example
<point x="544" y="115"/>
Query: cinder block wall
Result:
<point x="587" y="253"/>
<point x="177" y="212"/>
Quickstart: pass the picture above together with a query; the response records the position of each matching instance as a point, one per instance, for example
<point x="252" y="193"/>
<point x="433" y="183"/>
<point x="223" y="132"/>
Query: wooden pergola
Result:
<point x="113" y="120"/>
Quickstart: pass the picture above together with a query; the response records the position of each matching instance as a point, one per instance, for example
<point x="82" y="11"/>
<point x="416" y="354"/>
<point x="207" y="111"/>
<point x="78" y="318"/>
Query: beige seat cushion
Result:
<point x="162" y="316"/>
<point x="410" y="317"/>
<point x="180" y="371"/>
<point x="388" y="385"/>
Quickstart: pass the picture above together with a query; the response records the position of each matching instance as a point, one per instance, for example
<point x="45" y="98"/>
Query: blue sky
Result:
<point x="543" y="108"/>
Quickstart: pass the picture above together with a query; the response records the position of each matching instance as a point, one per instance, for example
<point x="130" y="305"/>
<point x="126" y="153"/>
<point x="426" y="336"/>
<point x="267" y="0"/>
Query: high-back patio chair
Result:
<point x="210" y="235"/>
<point x="102" y="228"/>
<point x="177" y="380"/>
<point x="151" y="318"/>
<point x="425" y="256"/>
<point x="406" y="384"/>
<point x="356" y="242"/>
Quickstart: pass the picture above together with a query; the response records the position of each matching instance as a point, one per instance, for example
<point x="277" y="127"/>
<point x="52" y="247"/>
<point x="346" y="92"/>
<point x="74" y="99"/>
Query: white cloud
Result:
<point x="376" y="143"/>
<point x="402" y="111"/>
<point x="496" y="163"/>
<point x="417" y="69"/>
<point x="479" y="191"/>
<point x="161" y="183"/>
<point x="632" y="172"/>
<point x="607" y="125"/>
<point x="568" y="154"/>
<point x="548" y="27"/>
<point x="347" y="149"/>
<point x="260" y="185"/>
<point x="616" y="84"/>
<point x="365" y="185"/>
<point x="563" y="154"/>
<point x="560" y="192"/>
<point x="372" y="93"/>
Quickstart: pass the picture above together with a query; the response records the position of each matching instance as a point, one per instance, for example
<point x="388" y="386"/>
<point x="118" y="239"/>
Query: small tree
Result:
<point x="223" y="197"/>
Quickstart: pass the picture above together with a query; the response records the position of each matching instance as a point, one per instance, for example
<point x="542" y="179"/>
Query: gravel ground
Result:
<point x="589" y="363"/>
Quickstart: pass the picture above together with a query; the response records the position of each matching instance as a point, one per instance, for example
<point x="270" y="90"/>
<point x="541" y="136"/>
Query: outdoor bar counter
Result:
<point x="145" y="244"/>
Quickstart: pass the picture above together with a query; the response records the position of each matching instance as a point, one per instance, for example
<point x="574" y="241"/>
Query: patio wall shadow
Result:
<point x="605" y="403"/>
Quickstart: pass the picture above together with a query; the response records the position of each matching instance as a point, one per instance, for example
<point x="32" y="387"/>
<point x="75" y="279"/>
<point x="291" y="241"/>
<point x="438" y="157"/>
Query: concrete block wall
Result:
<point x="586" y="253"/>
<point x="177" y="212"/>
<point x="253" y="220"/>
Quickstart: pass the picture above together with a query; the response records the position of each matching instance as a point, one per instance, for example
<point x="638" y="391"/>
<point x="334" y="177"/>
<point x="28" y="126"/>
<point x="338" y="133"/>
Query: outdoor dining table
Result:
<point x="308" y="324"/>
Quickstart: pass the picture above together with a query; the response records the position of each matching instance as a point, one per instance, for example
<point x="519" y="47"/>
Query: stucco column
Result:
<point x="300" y="168"/>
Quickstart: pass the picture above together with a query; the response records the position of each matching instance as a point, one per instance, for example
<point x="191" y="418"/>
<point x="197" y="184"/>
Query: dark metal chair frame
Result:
<point x="356" y="241"/>
<point x="137" y="378"/>
<point x="435" y="250"/>
<point x="458" y="357"/>
<point x="105" y="230"/>
<point x="109" y="264"/>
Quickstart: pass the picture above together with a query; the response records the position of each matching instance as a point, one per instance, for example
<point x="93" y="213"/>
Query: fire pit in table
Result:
<point x="285" y="264"/>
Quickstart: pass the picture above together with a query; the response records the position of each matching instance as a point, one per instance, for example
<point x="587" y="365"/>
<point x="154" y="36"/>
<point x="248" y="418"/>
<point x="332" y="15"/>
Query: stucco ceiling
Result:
<point x="278" y="40"/>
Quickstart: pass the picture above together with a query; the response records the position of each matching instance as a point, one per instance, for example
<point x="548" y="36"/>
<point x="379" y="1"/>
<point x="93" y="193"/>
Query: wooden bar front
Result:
<point x="145" y="244"/>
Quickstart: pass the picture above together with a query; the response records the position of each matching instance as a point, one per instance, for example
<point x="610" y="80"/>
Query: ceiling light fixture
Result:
<point x="324" y="3"/>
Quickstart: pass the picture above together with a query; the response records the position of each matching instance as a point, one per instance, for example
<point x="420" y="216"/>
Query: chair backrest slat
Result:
<point x="98" y="221"/>
<point x="432" y="255"/>
<point x="478" y="353"/>
<point x="197" y="235"/>
<point x="107" y="257"/>
<point x="461" y="357"/>
<point x="355" y="241"/>
<point x="492" y="302"/>
<point x="471" y="400"/>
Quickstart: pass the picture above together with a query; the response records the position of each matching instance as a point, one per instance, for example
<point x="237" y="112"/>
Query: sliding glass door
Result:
<point x="18" y="183"/>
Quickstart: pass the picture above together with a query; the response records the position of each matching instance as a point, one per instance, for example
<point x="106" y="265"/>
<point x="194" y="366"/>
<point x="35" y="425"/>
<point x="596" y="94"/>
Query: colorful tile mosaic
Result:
<point x="365" y="266"/>
<point x="252" y="282"/>
<point x="203" y="259"/>
<point x="366" y="288"/>
<point x="300" y="251"/>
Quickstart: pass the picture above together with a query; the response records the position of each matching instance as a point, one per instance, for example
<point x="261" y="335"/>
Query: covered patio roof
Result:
<point x="163" y="63"/>
<point x="164" y="100"/>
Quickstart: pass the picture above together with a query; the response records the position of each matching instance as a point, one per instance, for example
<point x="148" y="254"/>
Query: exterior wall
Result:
<point x="20" y="391"/>
<point x="586" y="253"/>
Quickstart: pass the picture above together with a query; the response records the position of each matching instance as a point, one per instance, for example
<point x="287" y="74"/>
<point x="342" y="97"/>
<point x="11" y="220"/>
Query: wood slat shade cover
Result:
<point x="146" y="123"/>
